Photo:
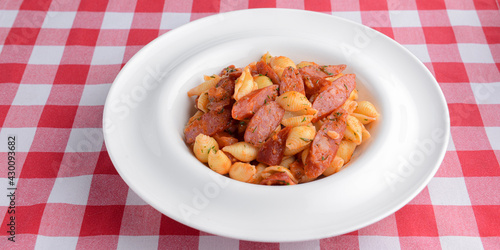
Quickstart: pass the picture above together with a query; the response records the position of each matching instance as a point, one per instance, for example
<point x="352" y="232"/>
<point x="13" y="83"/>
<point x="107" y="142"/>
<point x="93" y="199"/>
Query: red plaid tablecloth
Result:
<point x="58" y="59"/>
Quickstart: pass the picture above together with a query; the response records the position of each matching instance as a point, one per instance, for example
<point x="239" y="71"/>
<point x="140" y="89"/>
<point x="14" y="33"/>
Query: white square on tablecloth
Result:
<point x="475" y="53"/>
<point x="94" y="94"/>
<point x="46" y="55"/>
<point x="71" y="190"/>
<point x="85" y="140"/>
<point x="350" y="15"/>
<point x="404" y="18"/>
<point x="494" y="137"/>
<point x="49" y="242"/>
<point x="133" y="199"/>
<point x="486" y="93"/>
<point x="464" y="18"/>
<point x="7" y="18"/>
<point x="310" y="245"/>
<point x="171" y="20"/>
<point x="460" y="242"/>
<point x="451" y="145"/>
<point x="378" y="242"/>
<point x="449" y="191"/>
<point x="32" y="94"/>
<point x="217" y="242"/>
<point x="138" y="242"/>
<point x="117" y="20"/>
<point x="108" y="55"/>
<point x="24" y="138"/>
<point x="59" y="19"/>
<point x="420" y="51"/>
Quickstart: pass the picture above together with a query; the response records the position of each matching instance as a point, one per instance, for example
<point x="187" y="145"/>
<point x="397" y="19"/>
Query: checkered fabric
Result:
<point x="58" y="59"/>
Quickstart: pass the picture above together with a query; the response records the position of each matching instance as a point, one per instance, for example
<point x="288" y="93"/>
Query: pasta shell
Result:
<point x="334" y="167"/>
<point x="203" y="102"/>
<point x="287" y="160"/>
<point x="257" y="177"/>
<point x="242" y="171"/>
<point x="196" y="116"/>
<point x="349" y="106"/>
<point x="280" y="63"/>
<point x="363" y="118"/>
<point x="297" y="120"/>
<point x="354" y="95"/>
<point x="206" y="78"/>
<point x="346" y="149"/>
<point x="262" y="81"/>
<point x="303" y="155"/>
<point x="335" y="77"/>
<point x="203" y="144"/>
<point x="293" y="101"/>
<point x="266" y="57"/>
<point x="299" y="138"/>
<point x="242" y="151"/>
<point x="206" y="85"/>
<point x="278" y="169"/>
<point x="219" y="162"/>
<point x="244" y="84"/>
<point x="366" y="108"/>
<point x="353" y="130"/>
<point x="366" y="135"/>
<point x="304" y="64"/>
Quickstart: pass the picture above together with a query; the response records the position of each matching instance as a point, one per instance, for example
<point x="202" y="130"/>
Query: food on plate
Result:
<point x="274" y="122"/>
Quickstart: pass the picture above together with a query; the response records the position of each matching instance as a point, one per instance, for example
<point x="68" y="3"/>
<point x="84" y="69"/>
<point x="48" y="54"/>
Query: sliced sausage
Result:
<point x="231" y="71"/>
<point x="263" y="123"/>
<point x="297" y="169"/>
<point x="279" y="178"/>
<point x="291" y="80"/>
<point x="249" y="104"/>
<point x="224" y="139"/>
<point x="208" y="124"/>
<point x="264" y="69"/>
<point x="334" y="96"/>
<point x="323" y="148"/>
<point x="220" y="96"/>
<point x="271" y="152"/>
<point x="314" y="76"/>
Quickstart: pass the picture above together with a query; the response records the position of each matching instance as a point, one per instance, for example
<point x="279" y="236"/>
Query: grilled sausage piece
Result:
<point x="291" y="80"/>
<point x="267" y="118"/>
<point x="278" y="179"/>
<point x="264" y="69"/>
<point x="333" y="96"/>
<point x="271" y="152"/>
<point x="208" y="124"/>
<point x="323" y="148"/>
<point x="249" y="104"/>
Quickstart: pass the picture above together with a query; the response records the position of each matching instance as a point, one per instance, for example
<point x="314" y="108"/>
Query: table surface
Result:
<point x="57" y="62"/>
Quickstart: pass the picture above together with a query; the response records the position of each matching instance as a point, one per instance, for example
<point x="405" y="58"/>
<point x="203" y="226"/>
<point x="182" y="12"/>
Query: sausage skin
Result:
<point x="249" y="104"/>
<point x="333" y="96"/>
<point x="208" y="124"/>
<point x="291" y="80"/>
<point x="267" y="118"/>
<point x="271" y="152"/>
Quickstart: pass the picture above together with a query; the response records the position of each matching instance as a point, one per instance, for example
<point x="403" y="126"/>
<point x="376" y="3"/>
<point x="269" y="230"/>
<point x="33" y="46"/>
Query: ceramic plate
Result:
<point x="147" y="108"/>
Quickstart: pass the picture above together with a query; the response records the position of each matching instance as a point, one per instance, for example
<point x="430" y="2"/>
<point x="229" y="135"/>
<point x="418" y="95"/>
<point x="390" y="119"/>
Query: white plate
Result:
<point x="147" y="108"/>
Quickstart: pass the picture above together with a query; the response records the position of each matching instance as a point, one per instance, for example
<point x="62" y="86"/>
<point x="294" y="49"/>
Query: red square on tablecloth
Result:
<point x="386" y="31"/>
<point x="487" y="220"/>
<point x="483" y="190"/>
<point x="203" y="6"/>
<point x="41" y="165"/>
<point x="91" y="5"/>
<point x="479" y="163"/>
<point x="141" y="36"/>
<point x="86" y="37"/>
<point x="57" y="116"/>
<point x="35" y="5"/>
<point x="431" y="5"/>
<point x="455" y="221"/>
<point x="251" y="245"/>
<point x="172" y="227"/>
<point x="27" y="219"/>
<point x="71" y="74"/>
<point x="149" y="6"/>
<point x="261" y="4"/>
<point x="102" y="220"/>
<point x="3" y="113"/>
<point x="23" y="116"/>
<point x="450" y="72"/>
<point x="140" y="220"/>
<point x="340" y="242"/>
<point x="439" y="35"/>
<point x="318" y="5"/>
<point x="416" y="220"/>
<point x="104" y="165"/>
<point x="370" y="5"/>
<point x="465" y="115"/>
<point x="65" y="94"/>
<point x="492" y="34"/>
<point x="60" y="219"/>
<point x="486" y="5"/>
<point x="22" y="36"/>
<point x="11" y="72"/>
<point x="189" y="242"/>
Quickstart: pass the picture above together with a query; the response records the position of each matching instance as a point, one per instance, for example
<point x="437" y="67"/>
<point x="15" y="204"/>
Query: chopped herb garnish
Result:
<point x="345" y="87"/>
<point x="284" y="97"/>
<point x="242" y="123"/>
<point x="305" y="139"/>
<point x="212" y="76"/>
<point x="303" y="119"/>
<point x="254" y="129"/>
